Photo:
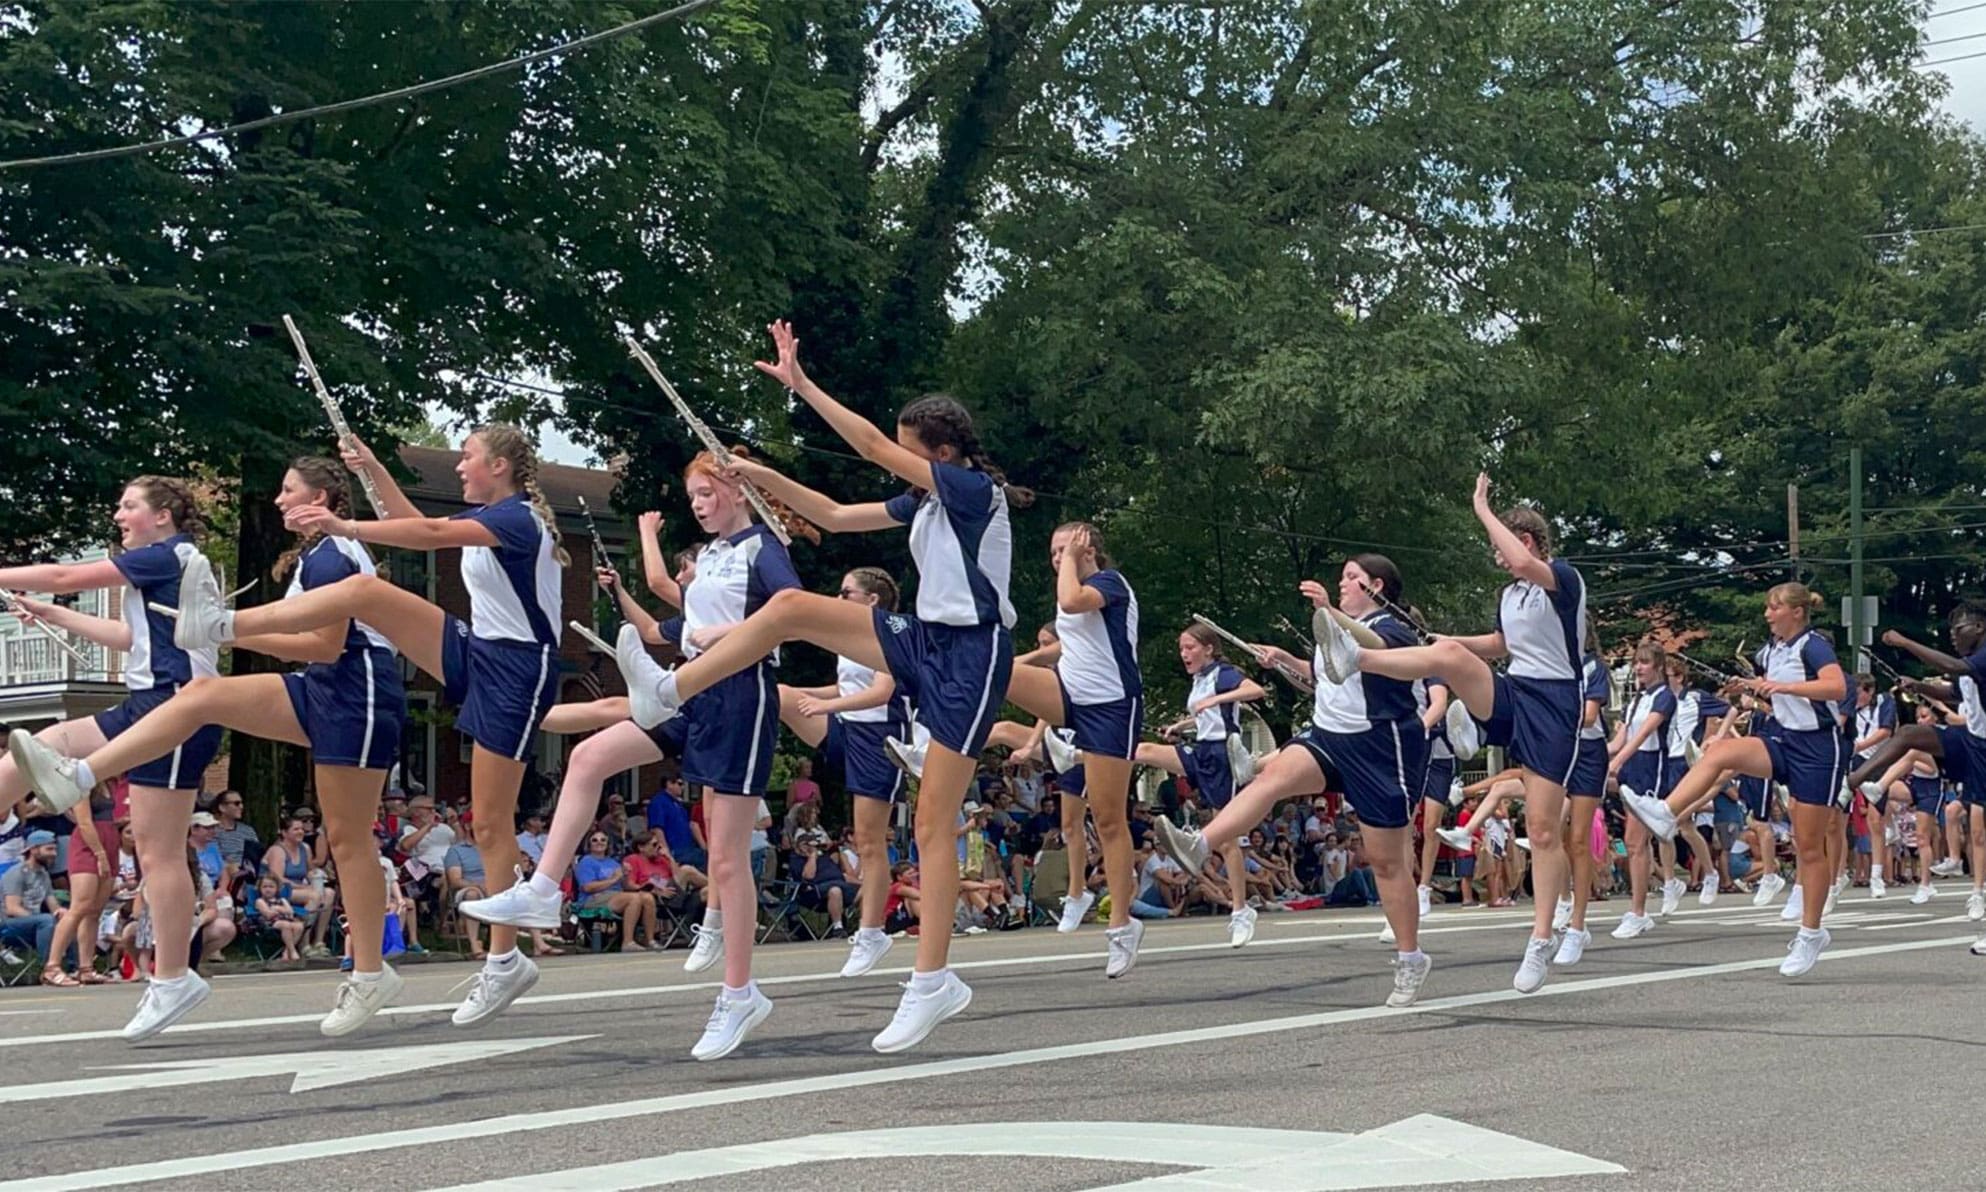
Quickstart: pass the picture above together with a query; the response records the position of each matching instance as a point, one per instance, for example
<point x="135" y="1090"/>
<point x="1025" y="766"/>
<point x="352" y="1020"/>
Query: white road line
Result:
<point x="520" y="1123"/>
<point x="1920" y="922"/>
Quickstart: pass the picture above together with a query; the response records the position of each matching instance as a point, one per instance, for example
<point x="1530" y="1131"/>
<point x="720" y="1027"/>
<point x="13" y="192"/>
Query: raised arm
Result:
<point x="866" y="437"/>
<point x="1516" y="556"/>
<point x="654" y="567"/>
<point x="359" y="458"/>
<point x="1937" y="660"/>
<point x="818" y="508"/>
<point x="115" y="635"/>
<point x="61" y="579"/>
<point x="411" y="533"/>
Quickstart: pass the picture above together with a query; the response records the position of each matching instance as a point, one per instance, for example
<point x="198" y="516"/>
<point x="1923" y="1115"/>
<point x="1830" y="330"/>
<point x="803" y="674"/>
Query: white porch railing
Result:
<point x="30" y="657"/>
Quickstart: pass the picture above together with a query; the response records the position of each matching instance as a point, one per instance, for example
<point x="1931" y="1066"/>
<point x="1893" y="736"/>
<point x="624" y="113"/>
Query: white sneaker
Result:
<point x="164" y="1003"/>
<point x="1074" y="911"/>
<point x="1241" y="927"/>
<point x="1187" y="846"/>
<point x="359" y="1000"/>
<point x="917" y="1015"/>
<point x="1769" y="887"/>
<point x="706" y="948"/>
<point x="494" y="989"/>
<point x="1387" y="935"/>
<point x="202" y="619"/>
<point x="864" y="953"/>
<point x="1060" y="745"/>
<point x="1457" y="838"/>
<point x="1796" y="905"/>
<point x="1425" y="896"/>
<point x="1562" y="914"/>
<point x="1842" y="881"/>
<point x="1334" y="646"/>
<point x="1408" y="977"/>
<point x="905" y="756"/>
<point x="1571" y="947"/>
<point x="1873" y="792"/>
<point x="1877" y="888"/>
<point x="1978" y="947"/>
<point x="650" y="699"/>
<point x="1653" y="813"/>
<point x="1672" y="896"/>
<point x="52" y="776"/>
<point x="1123" y="943"/>
<point x="1632" y="925"/>
<point x="518" y="906"/>
<point x="1240" y="762"/>
<point x="1456" y="791"/>
<point x="1924" y="894"/>
<point x="1531" y="973"/>
<point x="1708" y="894"/>
<point x="1949" y="867"/>
<point x="1524" y="842"/>
<point x="731" y="1020"/>
<point x="1975" y="906"/>
<point x="1803" y="952"/>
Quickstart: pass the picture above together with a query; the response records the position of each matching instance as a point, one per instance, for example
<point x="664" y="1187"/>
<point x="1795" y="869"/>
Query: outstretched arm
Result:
<point x="61" y="579"/>
<point x="865" y="436"/>
<point x="818" y="508"/>
<point x="1937" y="660"/>
<point x="1516" y="556"/>
<point x="655" y="568"/>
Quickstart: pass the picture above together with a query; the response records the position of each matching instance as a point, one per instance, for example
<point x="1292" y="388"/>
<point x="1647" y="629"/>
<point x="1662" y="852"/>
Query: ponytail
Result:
<point x="506" y="442"/>
<point x="939" y="420"/>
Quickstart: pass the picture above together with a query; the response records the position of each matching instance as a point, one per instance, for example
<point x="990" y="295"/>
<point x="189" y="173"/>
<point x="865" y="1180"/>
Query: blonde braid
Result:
<point x="327" y="475"/>
<point x="507" y="442"/>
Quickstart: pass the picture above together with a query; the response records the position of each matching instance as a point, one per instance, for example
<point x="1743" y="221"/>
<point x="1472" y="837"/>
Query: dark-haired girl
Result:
<point x="347" y="705"/>
<point x="1534" y="708"/>
<point x="1364" y="738"/>
<point x="848" y="723"/>
<point x="1207" y="761"/>
<point x="1807" y="751"/>
<point x="951" y="659"/>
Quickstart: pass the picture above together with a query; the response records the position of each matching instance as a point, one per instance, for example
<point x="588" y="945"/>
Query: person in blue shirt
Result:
<point x="498" y="669"/>
<point x="1640" y="761"/>
<point x="952" y="658"/>
<point x="1808" y="752"/>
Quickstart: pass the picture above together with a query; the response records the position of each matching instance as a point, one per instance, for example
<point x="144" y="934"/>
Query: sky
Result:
<point x="1962" y="32"/>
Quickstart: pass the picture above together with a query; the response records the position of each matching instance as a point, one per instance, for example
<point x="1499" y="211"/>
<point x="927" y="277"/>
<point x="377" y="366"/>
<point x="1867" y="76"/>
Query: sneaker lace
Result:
<point x="701" y="936"/>
<point x="718" y="1013"/>
<point x="906" y="1009"/>
<point x="348" y="992"/>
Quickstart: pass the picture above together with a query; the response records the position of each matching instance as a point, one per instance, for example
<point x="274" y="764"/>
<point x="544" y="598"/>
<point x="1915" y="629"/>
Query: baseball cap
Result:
<point x="203" y="819"/>
<point x="970" y="807"/>
<point x="40" y="837"/>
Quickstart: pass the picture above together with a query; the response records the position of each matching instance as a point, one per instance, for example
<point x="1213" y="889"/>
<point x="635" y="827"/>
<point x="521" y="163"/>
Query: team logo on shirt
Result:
<point x="898" y="623"/>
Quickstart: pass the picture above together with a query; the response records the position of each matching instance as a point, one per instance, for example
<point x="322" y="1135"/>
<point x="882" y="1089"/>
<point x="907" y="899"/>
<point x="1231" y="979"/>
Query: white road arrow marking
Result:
<point x="1418" y="1150"/>
<point x="312" y="1069"/>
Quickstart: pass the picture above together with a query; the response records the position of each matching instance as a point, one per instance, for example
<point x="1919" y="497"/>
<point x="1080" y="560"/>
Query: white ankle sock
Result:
<point x="542" y="884"/>
<point x="85" y="778"/>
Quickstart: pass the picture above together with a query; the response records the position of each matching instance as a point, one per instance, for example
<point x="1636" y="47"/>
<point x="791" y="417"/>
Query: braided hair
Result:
<point x="506" y="442"/>
<point x="328" y="477"/>
<point x="938" y="420"/>
<point x="176" y="497"/>
<point x="878" y="583"/>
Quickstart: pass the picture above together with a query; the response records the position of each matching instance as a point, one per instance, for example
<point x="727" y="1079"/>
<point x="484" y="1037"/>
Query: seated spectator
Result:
<point x="241" y="847"/>
<point x="613" y="824"/>
<point x="804" y="823"/>
<point x="1141" y="825"/>
<point x="13" y="839"/>
<point x="668" y="812"/>
<point x="1358" y="887"/>
<point x="531" y="837"/>
<point x="761" y="840"/>
<point x="200" y="835"/>
<point x="425" y="841"/>
<point x="822" y="884"/>
<point x="598" y="882"/>
<point x="314" y="838"/>
<point x="1162" y="892"/>
<point x="462" y="871"/>
<point x="28" y="909"/>
<point x="903" y="913"/>
<point x="650" y="869"/>
<point x="270" y="911"/>
<point x="302" y="881"/>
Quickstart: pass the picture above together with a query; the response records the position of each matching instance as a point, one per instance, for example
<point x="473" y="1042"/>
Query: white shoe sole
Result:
<point x="538" y="922"/>
<point x="518" y="990"/>
<point x="189" y="1006"/>
<point x="851" y="969"/>
<point x="391" y="983"/>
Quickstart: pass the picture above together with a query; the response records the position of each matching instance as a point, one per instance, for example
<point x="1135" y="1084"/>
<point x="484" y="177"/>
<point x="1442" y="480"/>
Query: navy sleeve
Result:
<point x="1815" y="653"/>
<point x="1978" y="664"/>
<point x="1226" y="679"/>
<point x="1568" y="585"/>
<point x="511" y="521"/>
<point x="1394" y="632"/>
<point x="772" y="570"/>
<point x="149" y="566"/>
<point x="321" y="567"/>
<point x="1709" y="706"/>
<point x="672" y="631"/>
<point x="1596" y="686"/>
<point x="902" y="507"/>
<point x="966" y="493"/>
<point x="1112" y="585"/>
<point x="1665" y="704"/>
<point x="1885" y="712"/>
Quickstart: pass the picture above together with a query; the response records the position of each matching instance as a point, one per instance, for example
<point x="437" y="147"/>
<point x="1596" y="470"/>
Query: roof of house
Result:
<point x="434" y="483"/>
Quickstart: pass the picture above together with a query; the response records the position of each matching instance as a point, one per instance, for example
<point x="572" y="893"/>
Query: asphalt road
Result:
<point x="1678" y="1060"/>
